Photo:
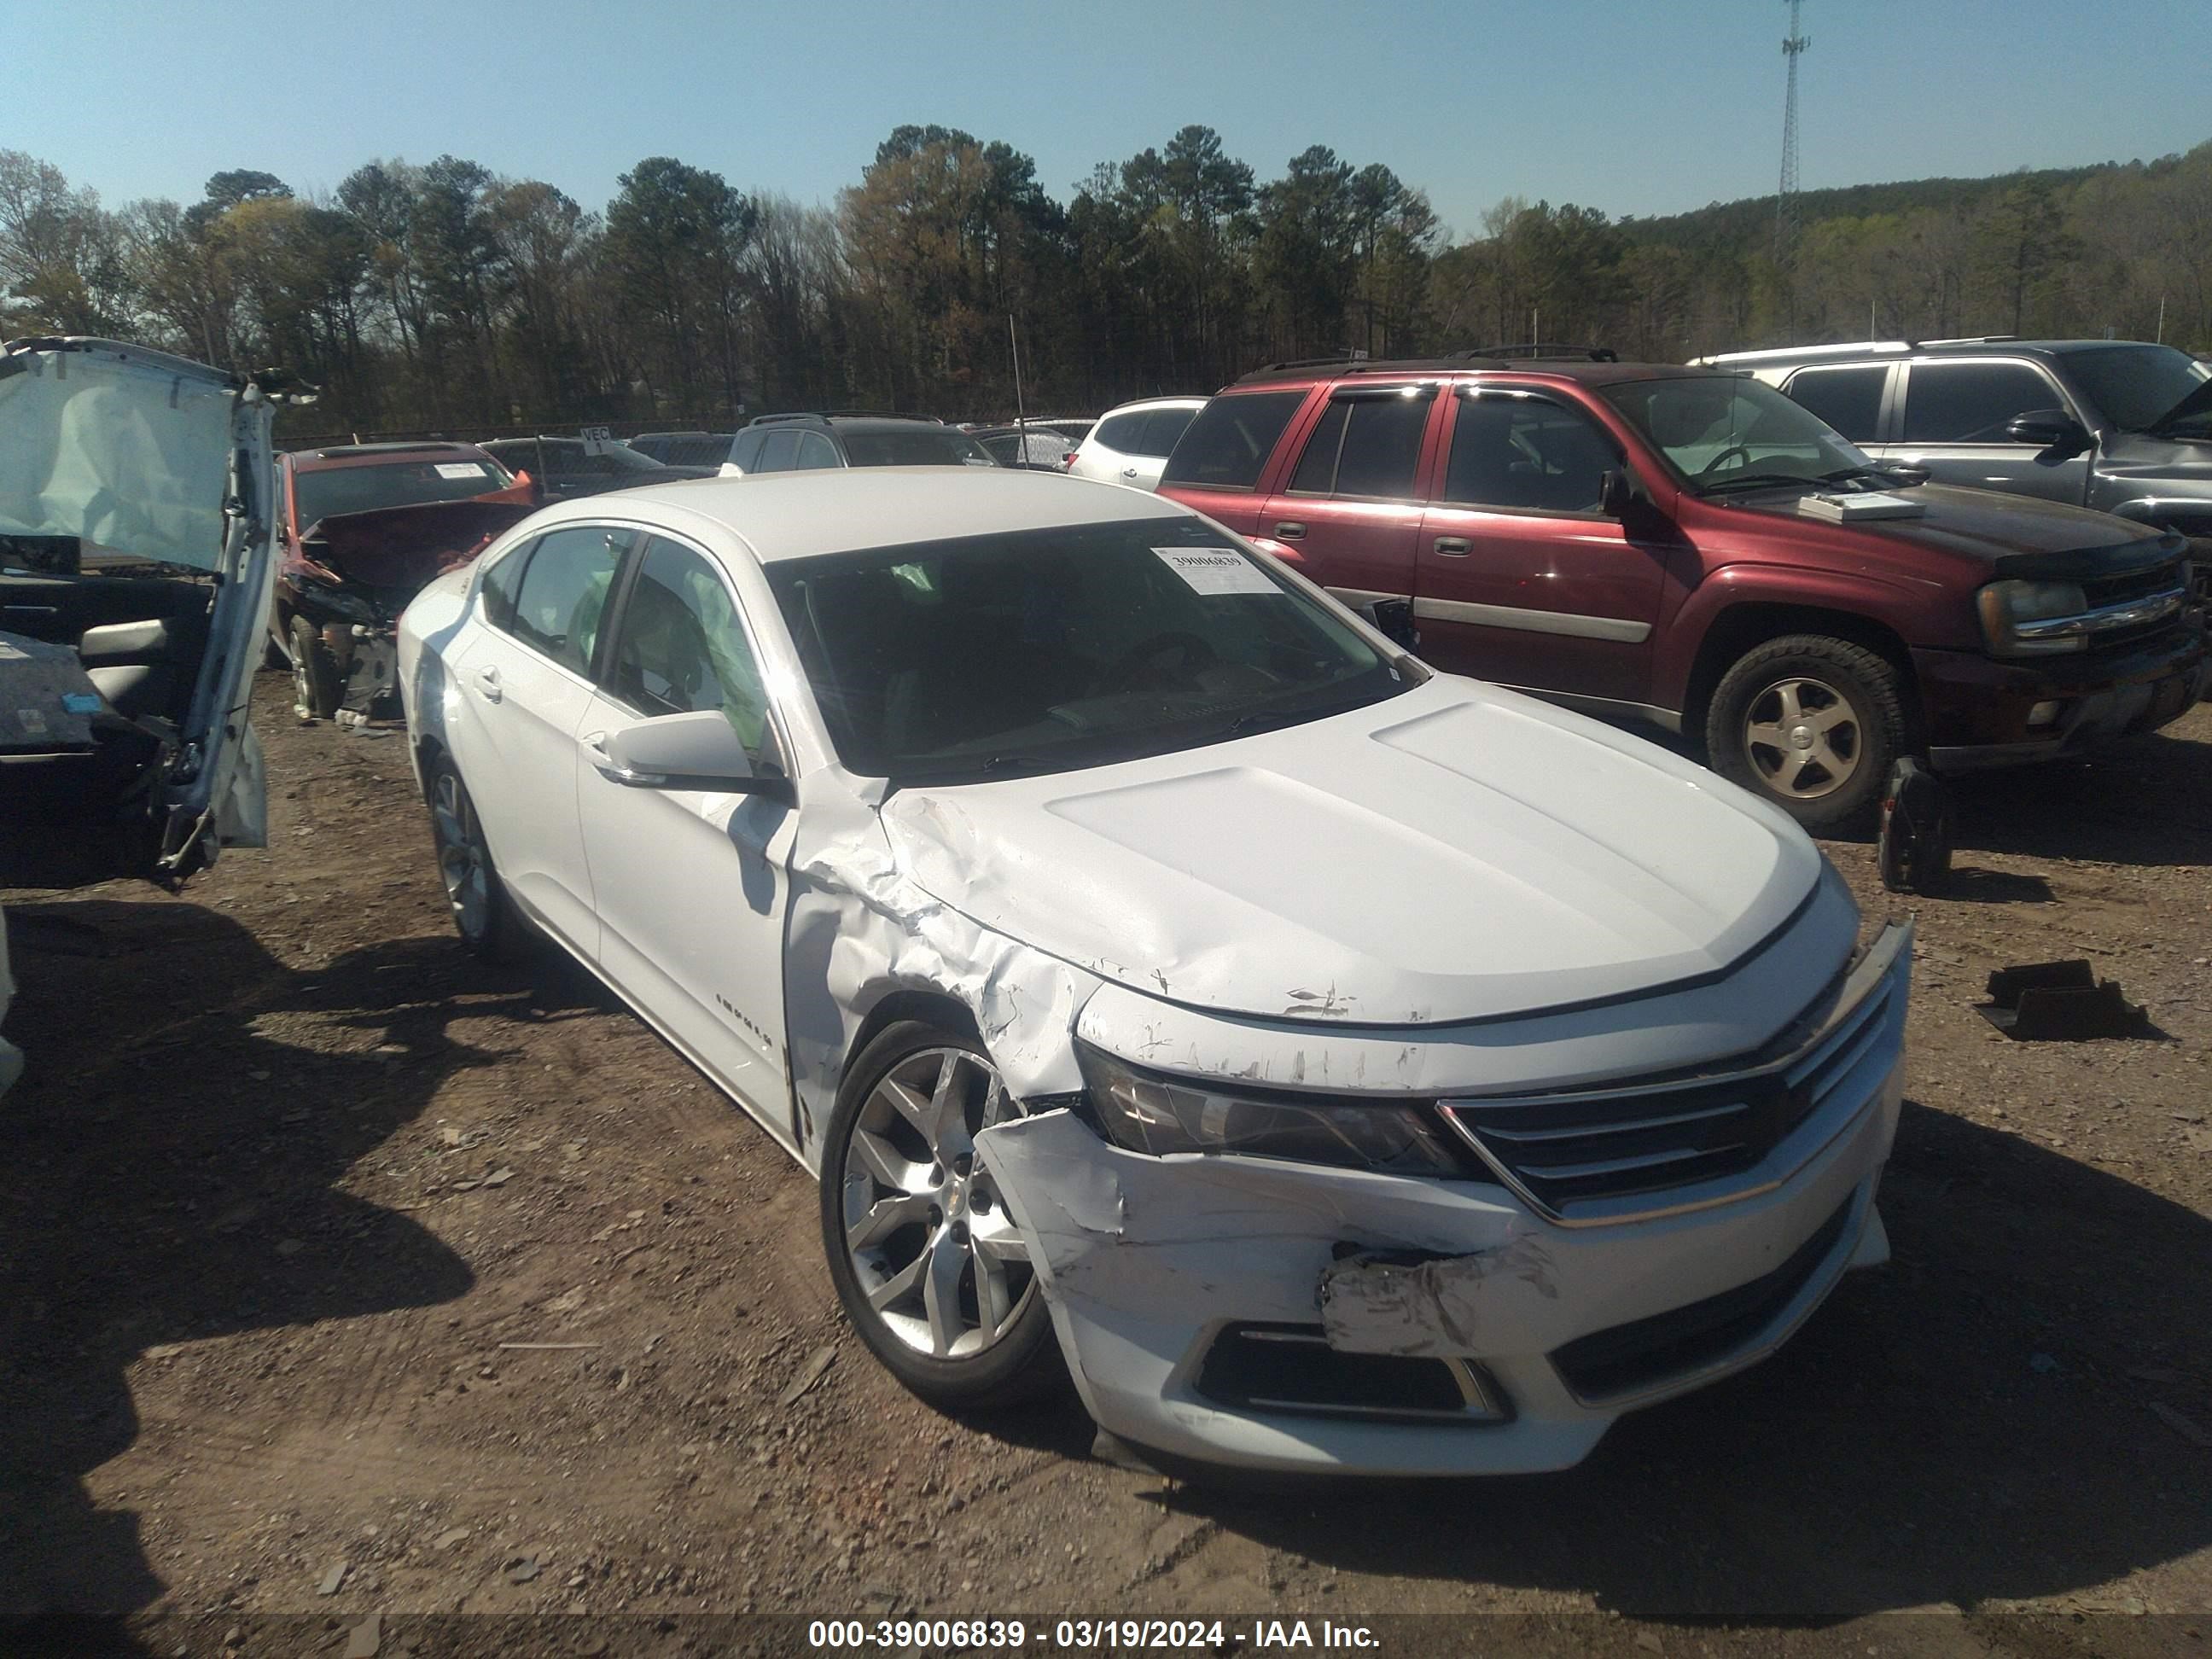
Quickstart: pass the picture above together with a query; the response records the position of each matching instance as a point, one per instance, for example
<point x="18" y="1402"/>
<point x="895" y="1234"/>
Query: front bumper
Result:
<point x="1147" y="1263"/>
<point x="1977" y="708"/>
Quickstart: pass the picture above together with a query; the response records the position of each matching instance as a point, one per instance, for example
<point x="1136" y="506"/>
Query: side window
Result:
<point x="814" y="452"/>
<point x="1227" y="446"/>
<point x="1365" y="446"/>
<point x="1124" y="434"/>
<point x="682" y="647"/>
<point x="745" y="451"/>
<point x="1525" y="455"/>
<point x="501" y="583"/>
<point x="1848" y="399"/>
<point x="778" y="452"/>
<point x="563" y="593"/>
<point x="1162" y="427"/>
<point x="1970" y="402"/>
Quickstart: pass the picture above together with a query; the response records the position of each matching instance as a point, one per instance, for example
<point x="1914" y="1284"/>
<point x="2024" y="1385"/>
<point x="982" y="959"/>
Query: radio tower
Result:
<point x="1785" y="201"/>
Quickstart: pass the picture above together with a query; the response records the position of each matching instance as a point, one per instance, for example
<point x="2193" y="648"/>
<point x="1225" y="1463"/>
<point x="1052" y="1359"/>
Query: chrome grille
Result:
<point x="1611" y="1154"/>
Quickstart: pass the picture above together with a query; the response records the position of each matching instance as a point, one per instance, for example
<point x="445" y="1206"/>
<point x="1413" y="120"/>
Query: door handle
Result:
<point x="1128" y="471"/>
<point x="1451" y="547"/>
<point x="1290" y="532"/>
<point x="488" y="683"/>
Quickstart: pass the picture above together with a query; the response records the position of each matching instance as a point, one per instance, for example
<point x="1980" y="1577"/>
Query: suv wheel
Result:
<point x="922" y="1249"/>
<point x="1811" y="723"/>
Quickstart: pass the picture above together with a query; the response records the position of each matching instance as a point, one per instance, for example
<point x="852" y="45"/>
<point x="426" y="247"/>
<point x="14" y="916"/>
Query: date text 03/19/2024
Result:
<point x="1214" y="1634"/>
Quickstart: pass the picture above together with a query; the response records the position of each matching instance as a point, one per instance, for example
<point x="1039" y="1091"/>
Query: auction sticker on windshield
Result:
<point x="1214" y="570"/>
<point x="460" y="469"/>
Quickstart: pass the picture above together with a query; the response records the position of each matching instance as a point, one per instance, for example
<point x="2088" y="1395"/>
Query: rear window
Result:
<point x="921" y="446"/>
<point x="1366" y="445"/>
<point x="1227" y="445"/>
<point x="1124" y="433"/>
<point x="1848" y="399"/>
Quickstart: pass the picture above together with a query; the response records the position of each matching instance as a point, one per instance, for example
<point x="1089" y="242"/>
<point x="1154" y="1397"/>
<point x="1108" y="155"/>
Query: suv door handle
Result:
<point x="1290" y="532"/>
<point x="1451" y="547"/>
<point x="488" y="683"/>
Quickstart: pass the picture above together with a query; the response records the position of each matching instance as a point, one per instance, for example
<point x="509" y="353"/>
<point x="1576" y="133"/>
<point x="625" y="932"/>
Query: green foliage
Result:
<point x="442" y="296"/>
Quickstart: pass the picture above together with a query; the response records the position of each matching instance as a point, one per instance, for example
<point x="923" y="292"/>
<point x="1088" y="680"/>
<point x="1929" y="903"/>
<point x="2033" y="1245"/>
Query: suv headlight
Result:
<point x="2007" y="606"/>
<point x="1148" y="1112"/>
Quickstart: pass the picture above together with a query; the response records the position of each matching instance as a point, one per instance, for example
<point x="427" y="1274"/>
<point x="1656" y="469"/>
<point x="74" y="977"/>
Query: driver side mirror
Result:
<point x="698" y="750"/>
<point x="2053" y="431"/>
<point x="1616" y="494"/>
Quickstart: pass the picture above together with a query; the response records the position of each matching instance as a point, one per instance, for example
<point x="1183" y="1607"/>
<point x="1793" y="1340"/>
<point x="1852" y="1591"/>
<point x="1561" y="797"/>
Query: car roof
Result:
<point x="795" y="515"/>
<point x="1993" y="345"/>
<point x="1581" y="369"/>
<point x="1195" y="401"/>
<point x="319" y="460"/>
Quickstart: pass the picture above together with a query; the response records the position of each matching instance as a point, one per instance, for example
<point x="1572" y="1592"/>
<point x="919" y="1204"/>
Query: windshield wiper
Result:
<point x="1759" y="481"/>
<point x="1887" y="479"/>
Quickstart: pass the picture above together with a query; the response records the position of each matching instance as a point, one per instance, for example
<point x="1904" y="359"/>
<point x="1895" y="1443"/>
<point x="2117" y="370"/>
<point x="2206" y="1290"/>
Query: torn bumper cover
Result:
<point x="1275" y="1314"/>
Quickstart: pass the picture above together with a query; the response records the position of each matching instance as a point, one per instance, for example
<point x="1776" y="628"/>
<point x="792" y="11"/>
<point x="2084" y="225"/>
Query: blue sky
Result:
<point x="1629" y="106"/>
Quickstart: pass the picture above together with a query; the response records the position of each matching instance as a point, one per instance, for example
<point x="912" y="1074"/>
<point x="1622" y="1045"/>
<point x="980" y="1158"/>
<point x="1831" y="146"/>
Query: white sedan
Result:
<point x="1327" y="1063"/>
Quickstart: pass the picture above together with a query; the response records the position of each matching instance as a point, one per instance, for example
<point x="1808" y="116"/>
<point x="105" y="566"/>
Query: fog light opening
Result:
<point x="2043" y="713"/>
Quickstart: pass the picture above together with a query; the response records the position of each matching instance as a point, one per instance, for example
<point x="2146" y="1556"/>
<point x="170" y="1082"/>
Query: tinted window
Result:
<point x="564" y="592"/>
<point x="1970" y="402"/>
<point x="2134" y="386"/>
<point x="1848" y="399"/>
<point x="1124" y="433"/>
<point x="1523" y="454"/>
<point x="1316" y="469"/>
<point x="1367" y="446"/>
<point x="501" y="583"/>
<point x="1162" y="427"/>
<point x="1227" y="445"/>
<point x="778" y="452"/>
<point x="325" y="492"/>
<point x="682" y="648"/>
<point x="916" y="446"/>
<point x="745" y="451"/>
<point x="814" y="452"/>
<point x="1041" y="650"/>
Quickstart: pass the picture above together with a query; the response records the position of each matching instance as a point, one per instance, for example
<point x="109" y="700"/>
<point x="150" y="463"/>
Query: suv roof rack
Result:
<point x="842" y="414"/>
<point x="1335" y="359"/>
<point x="1964" y="339"/>
<point x="1538" y="349"/>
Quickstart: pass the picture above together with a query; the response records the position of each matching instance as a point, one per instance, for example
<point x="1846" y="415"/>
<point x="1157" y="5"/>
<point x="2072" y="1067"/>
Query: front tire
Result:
<point x="923" y="1251"/>
<point x="314" y="673"/>
<point x="1811" y="723"/>
<point x="483" y="914"/>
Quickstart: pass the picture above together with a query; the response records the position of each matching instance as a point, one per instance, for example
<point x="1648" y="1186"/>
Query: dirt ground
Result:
<point x="289" y="1175"/>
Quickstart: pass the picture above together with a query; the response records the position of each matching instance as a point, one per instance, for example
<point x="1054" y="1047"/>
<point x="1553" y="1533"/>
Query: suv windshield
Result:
<point x="1730" y="431"/>
<point x="917" y="446"/>
<point x="2137" y="386"/>
<point x="1045" y="650"/>
<point x="328" y="491"/>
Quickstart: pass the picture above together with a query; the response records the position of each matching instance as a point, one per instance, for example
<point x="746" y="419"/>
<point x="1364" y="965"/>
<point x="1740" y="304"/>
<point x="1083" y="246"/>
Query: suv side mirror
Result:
<point x="1393" y="618"/>
<point x="1616" y="494"/>
<point x="697" y="750"/>
<point x="2053" y="431"/>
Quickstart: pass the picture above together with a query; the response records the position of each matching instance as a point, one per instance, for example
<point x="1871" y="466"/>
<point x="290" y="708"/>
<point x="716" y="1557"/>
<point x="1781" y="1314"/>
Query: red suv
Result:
<point x="1691" y="547"/>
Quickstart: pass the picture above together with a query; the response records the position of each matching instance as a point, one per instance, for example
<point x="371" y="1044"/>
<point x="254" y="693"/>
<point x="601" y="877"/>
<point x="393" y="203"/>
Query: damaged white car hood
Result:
<point x="1456" y="852"/>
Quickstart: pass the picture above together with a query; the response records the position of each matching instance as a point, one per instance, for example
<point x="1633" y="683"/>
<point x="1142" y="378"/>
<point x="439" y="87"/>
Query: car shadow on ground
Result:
<point x="1972" y="1425"/>
<point x="170" y="1168"/>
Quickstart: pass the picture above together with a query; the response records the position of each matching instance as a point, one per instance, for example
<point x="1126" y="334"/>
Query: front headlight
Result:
<point x="2007" y="607"/>
<point x="1149" y="1112"/>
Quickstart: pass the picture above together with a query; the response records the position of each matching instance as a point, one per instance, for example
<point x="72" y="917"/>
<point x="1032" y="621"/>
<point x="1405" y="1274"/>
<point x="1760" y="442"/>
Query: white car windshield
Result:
<point x="1045" y="650"/>
<point x="1728" y="432"/>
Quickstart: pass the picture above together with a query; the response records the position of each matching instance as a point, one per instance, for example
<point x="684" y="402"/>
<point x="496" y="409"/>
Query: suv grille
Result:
<point x="1586" y="1156"/>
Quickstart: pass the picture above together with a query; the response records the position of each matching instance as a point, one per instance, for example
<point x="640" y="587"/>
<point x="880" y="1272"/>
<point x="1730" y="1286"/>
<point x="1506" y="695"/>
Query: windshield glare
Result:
<point x="329" y="491"/>
<point x="1039" y="651"/>
<point x="2134" y="387"/>
<point x="1722" y="429"/>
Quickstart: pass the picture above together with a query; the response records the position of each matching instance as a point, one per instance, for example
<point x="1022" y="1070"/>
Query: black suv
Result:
<point x="794" y="443"/>
<point x="2119" y="425"/>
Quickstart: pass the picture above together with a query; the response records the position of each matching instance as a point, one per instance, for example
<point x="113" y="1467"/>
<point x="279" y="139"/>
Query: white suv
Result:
<point x="1131" y="444"/>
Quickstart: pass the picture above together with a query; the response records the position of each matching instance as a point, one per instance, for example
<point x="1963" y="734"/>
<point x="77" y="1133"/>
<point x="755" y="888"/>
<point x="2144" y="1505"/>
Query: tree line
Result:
<point x="445" y="297"/>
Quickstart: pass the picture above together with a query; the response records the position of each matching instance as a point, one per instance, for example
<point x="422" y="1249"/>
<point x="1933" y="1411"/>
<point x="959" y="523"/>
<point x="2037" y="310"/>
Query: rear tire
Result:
<point x="483" y="914"/>
<point x="1809" y="723"/>
<point x="314" y="673"/>
<point x="921" y="1248"/>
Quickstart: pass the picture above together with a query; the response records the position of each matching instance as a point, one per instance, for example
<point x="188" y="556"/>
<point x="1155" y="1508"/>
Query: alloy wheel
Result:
<point x="464" y="862"/>
<point x="1802" y="737"/>
<point x="931" y="1244"/>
